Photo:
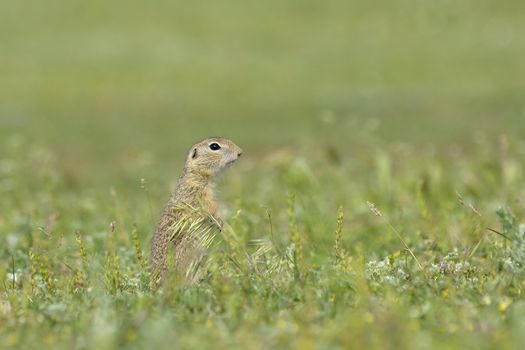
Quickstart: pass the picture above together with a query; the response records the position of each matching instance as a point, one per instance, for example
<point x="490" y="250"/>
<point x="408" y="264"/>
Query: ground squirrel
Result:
<point x="191" y="211"/>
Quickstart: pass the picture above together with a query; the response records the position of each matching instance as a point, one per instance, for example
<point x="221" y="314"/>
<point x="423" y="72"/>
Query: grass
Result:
<point x="379" y="203"/>
<point x="418" y="269"/>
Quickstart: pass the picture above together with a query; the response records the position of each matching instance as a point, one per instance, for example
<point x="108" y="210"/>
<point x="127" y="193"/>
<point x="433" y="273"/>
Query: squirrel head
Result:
<point x="208" y="157"/>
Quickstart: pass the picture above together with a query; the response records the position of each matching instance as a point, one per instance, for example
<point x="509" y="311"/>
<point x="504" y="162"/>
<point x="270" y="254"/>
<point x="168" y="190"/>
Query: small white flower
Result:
<point x="10" y="277"/>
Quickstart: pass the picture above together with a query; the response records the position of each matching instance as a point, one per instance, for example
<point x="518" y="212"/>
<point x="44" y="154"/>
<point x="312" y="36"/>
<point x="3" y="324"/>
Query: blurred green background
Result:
<point x="101" y="81"/>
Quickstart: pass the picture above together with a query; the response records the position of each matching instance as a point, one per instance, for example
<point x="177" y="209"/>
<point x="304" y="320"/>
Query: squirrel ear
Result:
<point x="194" y="155"/>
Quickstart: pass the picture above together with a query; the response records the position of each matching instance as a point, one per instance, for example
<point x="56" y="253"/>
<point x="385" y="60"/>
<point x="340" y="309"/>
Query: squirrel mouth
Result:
<point x="230" y="162"/>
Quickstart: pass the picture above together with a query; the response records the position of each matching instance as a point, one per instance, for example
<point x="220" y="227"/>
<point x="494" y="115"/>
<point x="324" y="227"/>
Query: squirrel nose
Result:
<point x="239" y="154"/>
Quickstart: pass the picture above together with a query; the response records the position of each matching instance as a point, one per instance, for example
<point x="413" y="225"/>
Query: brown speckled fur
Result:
<point x="195" y="189"/>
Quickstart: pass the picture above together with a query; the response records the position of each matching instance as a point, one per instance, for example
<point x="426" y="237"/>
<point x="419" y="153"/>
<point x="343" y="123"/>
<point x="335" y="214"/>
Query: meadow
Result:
<point x="379" y="203"/>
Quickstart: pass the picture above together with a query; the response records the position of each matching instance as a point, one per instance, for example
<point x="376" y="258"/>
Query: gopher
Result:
<point x="191" y="212"/>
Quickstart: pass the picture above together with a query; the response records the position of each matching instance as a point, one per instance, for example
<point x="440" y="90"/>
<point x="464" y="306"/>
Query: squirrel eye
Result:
<point x="215" y="146"/>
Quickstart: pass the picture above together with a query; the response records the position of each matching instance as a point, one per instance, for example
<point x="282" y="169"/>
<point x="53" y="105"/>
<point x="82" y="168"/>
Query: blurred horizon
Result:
<point x="91" y="80"/>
